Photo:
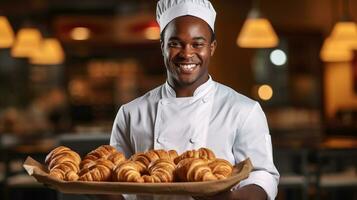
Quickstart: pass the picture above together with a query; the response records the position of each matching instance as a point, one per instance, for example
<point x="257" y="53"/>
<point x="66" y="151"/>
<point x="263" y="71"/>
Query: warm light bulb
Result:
<point x="27" y="41"/>
<point x="335" y="51"/>
<point x="80" y="33"/>
<point x="265" y="92"/>
<point x="346" y="32"/>
<point x="6" y="33"/>
<point x="152" y="33"/>
<point x="49" y="53"/>
<point x="257" y="33"/>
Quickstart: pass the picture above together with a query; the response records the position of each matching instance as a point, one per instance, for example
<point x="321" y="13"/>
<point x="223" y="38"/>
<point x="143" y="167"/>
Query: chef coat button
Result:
<point x="158" y="140"/>
<point x="205" y="99"/>
<point x="192" y="141"/>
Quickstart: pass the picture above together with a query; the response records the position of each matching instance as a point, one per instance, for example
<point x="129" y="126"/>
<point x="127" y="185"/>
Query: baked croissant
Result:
<point x="63" y="163"/>
<point x="129" y="171"/>
<point x="146" y="158"/>
<point x="103" y="151"/>
<point x="116" y="158"/>
<point x="203" y="153"/>
<point x="193" y="170"/>
<point x="161" y="171"/>
<point x="221" y="168"/>
<point x="100" y="171"/>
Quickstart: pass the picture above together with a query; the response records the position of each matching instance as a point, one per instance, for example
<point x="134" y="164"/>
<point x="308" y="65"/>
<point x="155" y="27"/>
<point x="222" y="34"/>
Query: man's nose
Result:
<point x="186" y="51"/>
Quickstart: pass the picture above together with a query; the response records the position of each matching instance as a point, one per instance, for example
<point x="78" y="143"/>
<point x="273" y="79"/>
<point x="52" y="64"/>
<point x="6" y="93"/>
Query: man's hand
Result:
<point x="248" y="192"/>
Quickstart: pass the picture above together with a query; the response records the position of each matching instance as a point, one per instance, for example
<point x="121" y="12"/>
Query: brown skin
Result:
<point x="187" y="40"/>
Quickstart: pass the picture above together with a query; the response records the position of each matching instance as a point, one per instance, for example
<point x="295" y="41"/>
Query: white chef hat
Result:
<point x="167" y="10"/>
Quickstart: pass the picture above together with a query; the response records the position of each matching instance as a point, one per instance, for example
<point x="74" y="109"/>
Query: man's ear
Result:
<point x="213" y="46"/>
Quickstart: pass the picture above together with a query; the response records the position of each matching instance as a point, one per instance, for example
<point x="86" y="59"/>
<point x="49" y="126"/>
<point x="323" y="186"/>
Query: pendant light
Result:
<point x="6" y="33"/>
<point x="50" y="52"/>
<point x="334" y="51"/>
<point x="338" y="47"/>
<point x="257" y="32"/>
<point x="345" y="30"/>
<point x="27" y="40"/>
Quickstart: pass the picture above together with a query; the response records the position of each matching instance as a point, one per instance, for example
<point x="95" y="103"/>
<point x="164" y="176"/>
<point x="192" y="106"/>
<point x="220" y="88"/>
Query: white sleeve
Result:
<point x="253" y="140"/>
<point x="120" y="137"/>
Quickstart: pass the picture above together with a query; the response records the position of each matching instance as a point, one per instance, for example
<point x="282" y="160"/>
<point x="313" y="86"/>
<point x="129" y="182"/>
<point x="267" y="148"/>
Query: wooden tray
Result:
<point x="40" y="173"/>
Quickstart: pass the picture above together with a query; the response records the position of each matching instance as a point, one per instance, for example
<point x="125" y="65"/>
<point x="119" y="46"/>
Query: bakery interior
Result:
<point x="107" y="52"/>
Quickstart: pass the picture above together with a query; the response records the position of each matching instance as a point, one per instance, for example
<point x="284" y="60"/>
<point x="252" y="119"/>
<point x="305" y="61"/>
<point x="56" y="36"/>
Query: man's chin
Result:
<point x="186" y="81"/>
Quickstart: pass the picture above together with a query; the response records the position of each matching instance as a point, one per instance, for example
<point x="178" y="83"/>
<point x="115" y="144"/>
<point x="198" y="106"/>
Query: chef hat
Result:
<point x="167" y="10"/>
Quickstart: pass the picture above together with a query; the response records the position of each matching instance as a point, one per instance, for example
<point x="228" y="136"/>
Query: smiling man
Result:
<point x="191" y="110"/>
<point x="187" y="44"/>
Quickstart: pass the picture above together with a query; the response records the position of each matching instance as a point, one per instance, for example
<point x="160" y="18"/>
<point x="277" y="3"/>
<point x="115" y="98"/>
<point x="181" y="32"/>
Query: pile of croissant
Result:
<point x="155" y="166"/>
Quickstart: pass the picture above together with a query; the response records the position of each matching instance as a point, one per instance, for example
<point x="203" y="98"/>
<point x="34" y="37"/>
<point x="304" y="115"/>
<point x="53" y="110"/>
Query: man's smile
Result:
<point x="187" y="68"/>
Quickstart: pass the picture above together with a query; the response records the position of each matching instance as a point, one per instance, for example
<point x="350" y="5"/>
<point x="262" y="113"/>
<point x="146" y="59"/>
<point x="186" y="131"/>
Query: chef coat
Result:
<point x="216" y="117"/>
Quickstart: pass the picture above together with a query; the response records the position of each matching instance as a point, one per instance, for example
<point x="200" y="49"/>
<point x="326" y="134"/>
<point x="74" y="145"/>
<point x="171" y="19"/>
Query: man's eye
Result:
<point x="198" y="45"/>
<point x="174" y="44"/>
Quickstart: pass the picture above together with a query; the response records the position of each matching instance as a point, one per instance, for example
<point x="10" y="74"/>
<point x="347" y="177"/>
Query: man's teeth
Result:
<point x="188" y="67"/>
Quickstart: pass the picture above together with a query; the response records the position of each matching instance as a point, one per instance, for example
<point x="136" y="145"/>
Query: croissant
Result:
<point x="161" y="170"/>
<point x="116" y="158"/>
<point x="194" y="169"/>
<point x="221" y="168"/>
<point x="64" y="175"/>
<point x="203" y="153"/>
<point x="129" y="171"/>
<point x="63" y="163"/>
<point x="146" y="158"/>
<point x="103" y="151"/>
<point x="100" y="171"/>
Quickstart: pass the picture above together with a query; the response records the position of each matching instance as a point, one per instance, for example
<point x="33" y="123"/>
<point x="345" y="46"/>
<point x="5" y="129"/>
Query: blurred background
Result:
<point x="66" y="66"/>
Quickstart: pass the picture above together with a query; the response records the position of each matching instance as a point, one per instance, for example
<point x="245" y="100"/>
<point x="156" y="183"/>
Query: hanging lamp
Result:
<point x="50" y="52"/>
<point x="334" y="51"/>
<point x="27" y="40"/>
<point x="339" y="45"/>
<point x="345" y="30"/>
<point x="6" y="33"/>
<point x="257" y="32"/>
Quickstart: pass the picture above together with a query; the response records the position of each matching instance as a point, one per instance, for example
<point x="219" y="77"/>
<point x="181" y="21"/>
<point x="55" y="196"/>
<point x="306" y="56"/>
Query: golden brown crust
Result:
<point x="128" y="171"/>
<point x="161" y="171"/>
<point x="100" y="171"/>
<point x="173" y="154"/>
<point x="203" y="153"/>
<point x="105" y="163"/>
<point x="150" y="156"/>
<point x="55" y="152"/>
<point x="116" y="158"/>
<point x="221" y="168"/>
<point x="194" y="169"/>
<point x="63" y="163"/>
<point x="67" y="156"/>
<point x="103" y="151"/>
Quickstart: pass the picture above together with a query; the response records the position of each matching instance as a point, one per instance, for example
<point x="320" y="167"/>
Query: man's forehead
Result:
<point x="189" y="25"/>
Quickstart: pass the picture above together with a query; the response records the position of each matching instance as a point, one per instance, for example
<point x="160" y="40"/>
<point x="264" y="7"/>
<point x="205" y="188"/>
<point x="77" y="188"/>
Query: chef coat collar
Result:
<point x="201" y="91"/>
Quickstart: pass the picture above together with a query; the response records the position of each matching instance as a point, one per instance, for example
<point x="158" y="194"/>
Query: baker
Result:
<point x="191" y="110"/>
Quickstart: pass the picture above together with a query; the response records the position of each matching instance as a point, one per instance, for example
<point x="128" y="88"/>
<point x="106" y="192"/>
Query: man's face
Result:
<point x="187" y="48"/>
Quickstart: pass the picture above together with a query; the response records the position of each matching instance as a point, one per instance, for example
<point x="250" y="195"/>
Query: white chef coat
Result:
<point x="216" y="117"/>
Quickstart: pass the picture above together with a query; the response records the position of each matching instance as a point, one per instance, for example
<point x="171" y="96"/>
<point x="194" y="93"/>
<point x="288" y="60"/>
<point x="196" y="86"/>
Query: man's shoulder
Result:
<point x="145" y="100"/>
<point x="232" y="97"/>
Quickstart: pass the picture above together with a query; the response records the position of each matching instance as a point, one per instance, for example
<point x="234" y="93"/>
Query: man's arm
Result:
<point x="120" y="140"/>
<point x="253" y="141"/>
<point x="120" y="134"/>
